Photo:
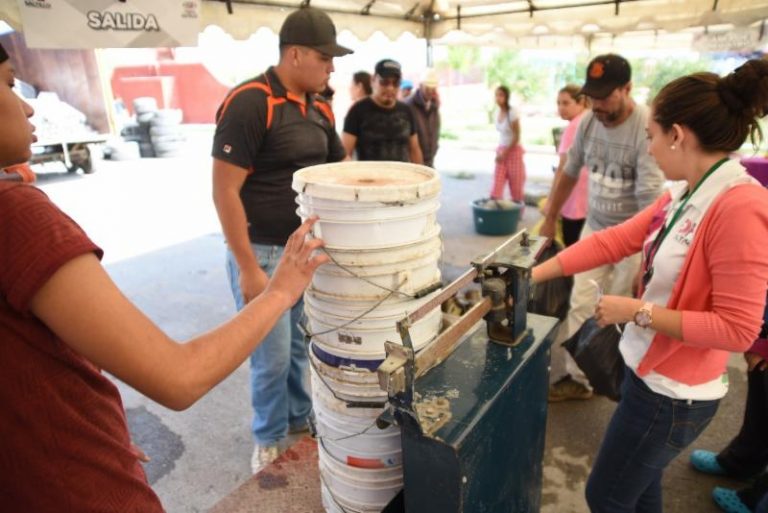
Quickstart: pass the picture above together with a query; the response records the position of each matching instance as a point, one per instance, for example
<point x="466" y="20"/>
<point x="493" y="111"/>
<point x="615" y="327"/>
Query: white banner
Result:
<point x="110" y="23"/>
<point x="736" y="40"/>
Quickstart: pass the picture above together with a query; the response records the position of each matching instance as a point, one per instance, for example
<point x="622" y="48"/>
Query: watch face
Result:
<point x="642" y="318"/>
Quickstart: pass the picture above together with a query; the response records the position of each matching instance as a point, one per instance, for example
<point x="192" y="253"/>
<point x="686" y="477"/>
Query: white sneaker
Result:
<point x="263" y="455"/>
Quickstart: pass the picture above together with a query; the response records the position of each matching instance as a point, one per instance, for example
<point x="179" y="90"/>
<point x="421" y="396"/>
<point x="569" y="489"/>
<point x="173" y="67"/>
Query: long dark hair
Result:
<point x="364" y="78"/>
<point x="504" y="89"/>
<point x="721" y="111"/>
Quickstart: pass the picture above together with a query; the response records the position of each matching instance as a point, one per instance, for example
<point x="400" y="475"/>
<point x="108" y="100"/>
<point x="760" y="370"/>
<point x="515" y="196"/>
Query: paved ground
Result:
<point x="163" y="246"/>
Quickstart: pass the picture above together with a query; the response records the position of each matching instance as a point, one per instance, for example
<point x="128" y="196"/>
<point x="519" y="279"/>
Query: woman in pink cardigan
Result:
<point x="704" y="277"/>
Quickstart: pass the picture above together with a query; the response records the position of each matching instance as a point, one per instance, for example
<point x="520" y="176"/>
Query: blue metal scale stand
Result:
<point x="472" y="405"/>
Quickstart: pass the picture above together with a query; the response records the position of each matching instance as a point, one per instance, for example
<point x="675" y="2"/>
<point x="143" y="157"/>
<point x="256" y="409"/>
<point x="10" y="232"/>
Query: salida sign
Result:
<point x="122" y="21"/>
<point x="110" y="23"/>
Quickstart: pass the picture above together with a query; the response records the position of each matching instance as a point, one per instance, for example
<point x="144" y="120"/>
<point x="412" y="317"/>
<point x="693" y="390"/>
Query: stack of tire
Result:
<point x="166" y="133"/>
<point x="145" y="108"/>
<point x="158" y="132"/>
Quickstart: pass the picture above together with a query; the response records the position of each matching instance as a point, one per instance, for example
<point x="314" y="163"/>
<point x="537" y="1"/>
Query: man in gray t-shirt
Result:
<point x="623" y="179"/>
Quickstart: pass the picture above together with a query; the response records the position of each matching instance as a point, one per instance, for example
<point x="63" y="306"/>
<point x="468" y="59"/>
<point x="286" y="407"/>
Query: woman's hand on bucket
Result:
<point x="298" y="263"/>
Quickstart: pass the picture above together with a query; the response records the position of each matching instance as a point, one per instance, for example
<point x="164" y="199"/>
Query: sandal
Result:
<point x="728" y="500"/>
<point x="706" y="461"/>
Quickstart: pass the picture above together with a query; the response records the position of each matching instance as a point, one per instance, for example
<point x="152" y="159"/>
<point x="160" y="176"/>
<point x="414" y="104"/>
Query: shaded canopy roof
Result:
<point x="517" y="18"/>
<point x="502" y="22"/>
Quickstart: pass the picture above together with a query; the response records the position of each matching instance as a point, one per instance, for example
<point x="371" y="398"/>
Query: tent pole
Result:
<point x="428" y="18"/>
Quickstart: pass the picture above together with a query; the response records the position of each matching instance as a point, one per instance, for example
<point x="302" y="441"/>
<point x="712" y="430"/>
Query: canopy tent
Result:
<point x="497" y="22"/>
<point x="518" y="18"/>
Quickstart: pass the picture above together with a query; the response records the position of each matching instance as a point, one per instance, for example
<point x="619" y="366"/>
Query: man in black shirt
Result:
<point x="266" y="129"/>
<point x="380" y="127"/>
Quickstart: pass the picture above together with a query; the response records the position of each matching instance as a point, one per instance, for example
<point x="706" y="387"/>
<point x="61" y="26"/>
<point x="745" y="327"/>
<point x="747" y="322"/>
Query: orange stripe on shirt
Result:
<point x="271" y="102"/>
<point x="252" y="85"/>
<point x="325" y="109"/>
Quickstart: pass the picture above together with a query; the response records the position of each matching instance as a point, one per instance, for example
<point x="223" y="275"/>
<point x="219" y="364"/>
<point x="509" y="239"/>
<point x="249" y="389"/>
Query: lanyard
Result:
<point x="664" y="230"/>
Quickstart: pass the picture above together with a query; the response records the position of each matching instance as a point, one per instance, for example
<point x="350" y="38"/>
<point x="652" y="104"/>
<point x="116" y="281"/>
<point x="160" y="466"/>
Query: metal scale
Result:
<point x="472" y="405"/>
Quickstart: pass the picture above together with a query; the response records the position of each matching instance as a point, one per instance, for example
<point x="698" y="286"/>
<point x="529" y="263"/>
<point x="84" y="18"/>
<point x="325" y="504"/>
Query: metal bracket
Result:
<point x="433" y="413"/>
<point x="392" y="370"/>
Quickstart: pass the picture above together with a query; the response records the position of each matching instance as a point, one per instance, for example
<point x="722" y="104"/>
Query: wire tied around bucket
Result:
<point x="369" y="282"/>
<point x="309" y="335"/>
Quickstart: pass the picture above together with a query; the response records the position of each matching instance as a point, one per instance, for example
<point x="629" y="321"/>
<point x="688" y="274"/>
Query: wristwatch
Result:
<point x="644" y="316"/>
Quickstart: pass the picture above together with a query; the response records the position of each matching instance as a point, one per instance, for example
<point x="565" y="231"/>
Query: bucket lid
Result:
<point x="367" y="181"/>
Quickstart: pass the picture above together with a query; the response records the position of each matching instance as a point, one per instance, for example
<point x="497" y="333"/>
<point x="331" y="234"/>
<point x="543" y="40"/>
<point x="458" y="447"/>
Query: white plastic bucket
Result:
<point x="364" y="314"/>
<point x="341" y="358"/>
<point x="368" y="182"/>
<point x="361" y="490"/>
<point x="350" y="434"/>
<point x="335" y="329"/>
<point x="379" y="224"/>
<point x="370" y="280"/>
<point x="330" y="504"/>
<point x="378" y="232"/>
<point x="330" y="405"/>
<point x="369" y="204"/>
<point x="432" y="244"/>
<point x="349" y="383"/>
<point x="369" y="451"/>
<point x="339" y="210"/>
<point x="355" y="447"/>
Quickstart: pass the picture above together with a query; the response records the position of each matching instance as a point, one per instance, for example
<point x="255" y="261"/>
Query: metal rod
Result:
<point x="447" y="292"/>
<point x="437" y="350"/>
<point x="461" y="281"/>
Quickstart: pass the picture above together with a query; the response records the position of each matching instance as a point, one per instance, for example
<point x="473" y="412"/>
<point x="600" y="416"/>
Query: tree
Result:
<point x="506" y="67"/>
<point x="461" y="60"/>
<point x="655" y="74"/>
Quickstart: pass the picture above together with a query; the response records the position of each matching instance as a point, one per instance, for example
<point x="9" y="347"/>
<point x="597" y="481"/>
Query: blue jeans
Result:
<point x="278" y="365"/>
<point x="646" y="432"/>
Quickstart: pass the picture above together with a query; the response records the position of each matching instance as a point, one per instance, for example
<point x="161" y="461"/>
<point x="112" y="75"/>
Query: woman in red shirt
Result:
<point x="704" y="274"/>
<point x="64" y="443"/>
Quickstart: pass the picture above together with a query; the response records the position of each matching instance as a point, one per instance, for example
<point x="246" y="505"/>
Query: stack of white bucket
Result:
<point x="378" y="220"/>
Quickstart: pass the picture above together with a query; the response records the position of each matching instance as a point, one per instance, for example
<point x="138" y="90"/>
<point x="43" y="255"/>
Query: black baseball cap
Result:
<point x="604" y="74"/>
<point x="314" y="29"/>
<point x="387" y="68"/>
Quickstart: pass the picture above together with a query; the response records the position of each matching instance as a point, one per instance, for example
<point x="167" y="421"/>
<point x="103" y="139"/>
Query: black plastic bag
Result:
<point x="551" y="297"/>
<point x="596" y="351"/>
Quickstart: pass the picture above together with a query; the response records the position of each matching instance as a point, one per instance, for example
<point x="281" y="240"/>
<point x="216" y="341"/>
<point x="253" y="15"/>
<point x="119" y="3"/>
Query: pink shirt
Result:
<point x="720" y="290"/>
<point x="575" y="206"/>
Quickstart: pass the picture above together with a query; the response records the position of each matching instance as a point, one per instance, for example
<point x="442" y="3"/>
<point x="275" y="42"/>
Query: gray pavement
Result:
<point x="155" y="220"/>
